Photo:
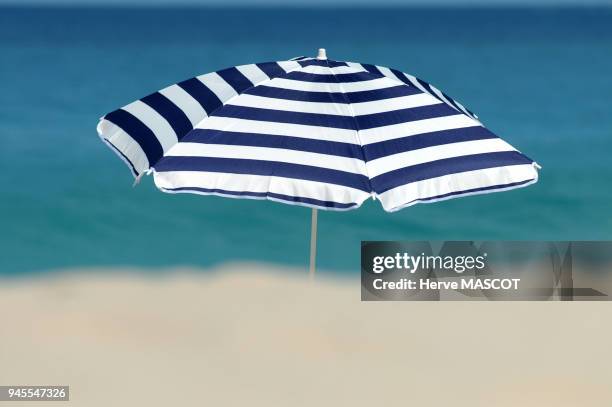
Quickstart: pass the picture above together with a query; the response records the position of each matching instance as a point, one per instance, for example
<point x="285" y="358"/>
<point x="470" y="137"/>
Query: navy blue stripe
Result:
<point x="403" y="78"/>
<point x="332" y="78"/>
<point x="456" y="104"/>
<point x="207" y="136"/>
<point x="363" y="122"/>
<point x="322" y="62"/>
<point x="381" y="94"/>
<point x="471" y="191"/>
<point x="372" y="69"/>
<point x="286" y="198"/>
<point x="451" y="101"/>
<point x="429" y="90"/>
<point x="370" y="151"/>
<point x="272" y="69"/>
<point x="370" y="121"/>
<point x="267" y="168"/>
<point x="333" y="97"/>
<point x="281" y="116"/>
<point x="436" y="138"/>
<point x="138" y="131"/>
<point x="200" y="92"/>
<point x="438" y="168"/>
<point x="235" y="79"/>
<point x="299" y="95"/>
<point x="177" y="119"/>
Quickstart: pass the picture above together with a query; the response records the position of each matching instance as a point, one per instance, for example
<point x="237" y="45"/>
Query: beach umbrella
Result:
<point x="314" y="132"/>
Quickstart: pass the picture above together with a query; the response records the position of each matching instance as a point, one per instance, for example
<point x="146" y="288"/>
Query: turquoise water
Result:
<point x="541" y="78"/>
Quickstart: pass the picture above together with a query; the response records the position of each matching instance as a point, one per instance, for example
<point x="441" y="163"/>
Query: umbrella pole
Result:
<point x="313" y="244"/>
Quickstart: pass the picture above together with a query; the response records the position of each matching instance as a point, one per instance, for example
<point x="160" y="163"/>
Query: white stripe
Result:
<point x="445" y="100"/>
<point x="464" y="110"/>
<point x="259" y="184"/>
<point x="340" y="109"/>
<point x="218" y="86"/>
<point x="424" y="155"/>
<point x="375" y="135"/>
<point x="289" y="66"/>
<point x="124" y="143"/>
<point x="356" y="65"/>
<point x="247" y="100"/>
<point x="387" y="72"/>
<point x="374" y="84"/>
<point x="184" y="101"/>
<point x="280" y="129"/>
<point x="405" y="195"/>
<point x="269" y="154"/>
<point x="154" y="121"/>
<point x="253" y="73"/>
<point x="415" y="82"/>
<point x="325" y="70"/>
<point x="387" y="105"/>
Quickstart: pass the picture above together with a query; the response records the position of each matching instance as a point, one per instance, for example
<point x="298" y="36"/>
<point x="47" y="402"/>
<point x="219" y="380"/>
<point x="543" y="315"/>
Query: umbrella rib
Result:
<point x="352" y="113"/>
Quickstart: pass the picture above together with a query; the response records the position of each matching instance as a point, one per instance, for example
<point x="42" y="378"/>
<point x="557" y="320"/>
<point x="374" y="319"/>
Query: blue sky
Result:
<point x="312" y="2"/>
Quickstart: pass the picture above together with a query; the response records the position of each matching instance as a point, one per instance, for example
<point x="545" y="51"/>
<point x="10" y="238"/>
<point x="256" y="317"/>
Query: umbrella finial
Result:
<point x="322" y="54"/>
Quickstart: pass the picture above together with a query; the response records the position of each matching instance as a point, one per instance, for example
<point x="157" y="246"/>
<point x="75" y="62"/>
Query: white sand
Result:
<point x="252" y="335"/>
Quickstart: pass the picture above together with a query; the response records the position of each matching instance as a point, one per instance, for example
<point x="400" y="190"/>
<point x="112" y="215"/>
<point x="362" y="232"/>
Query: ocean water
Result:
<point x="540" y="78"/>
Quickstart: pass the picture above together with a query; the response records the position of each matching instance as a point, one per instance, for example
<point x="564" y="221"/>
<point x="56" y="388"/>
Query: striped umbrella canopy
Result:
<point x="315" y="132"/>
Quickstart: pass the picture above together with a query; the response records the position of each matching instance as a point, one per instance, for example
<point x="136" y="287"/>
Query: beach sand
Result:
<point x="258" y="335"/>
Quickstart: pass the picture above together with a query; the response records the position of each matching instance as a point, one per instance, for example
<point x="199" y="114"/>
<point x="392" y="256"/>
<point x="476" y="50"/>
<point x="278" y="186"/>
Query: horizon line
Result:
<point x="312" y="5"/>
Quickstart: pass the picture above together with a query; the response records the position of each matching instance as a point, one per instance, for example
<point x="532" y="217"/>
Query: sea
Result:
<point x="541" y="78"/>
